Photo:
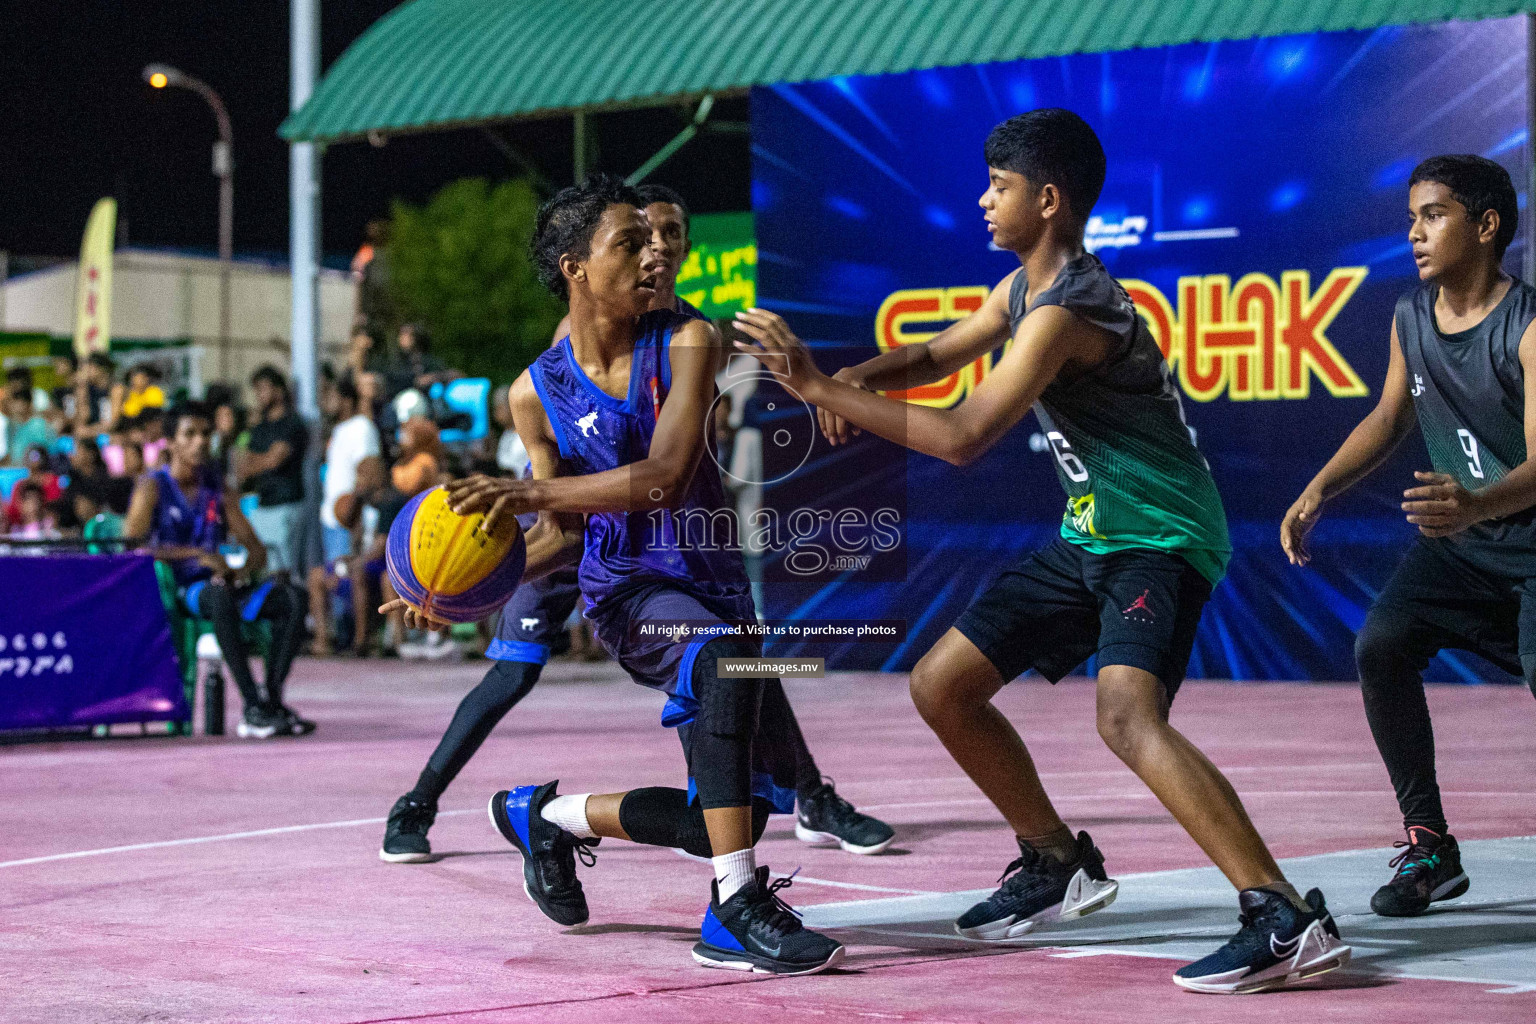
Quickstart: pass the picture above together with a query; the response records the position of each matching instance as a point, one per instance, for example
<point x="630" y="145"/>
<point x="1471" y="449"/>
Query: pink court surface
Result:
<point x="220" y="880"/>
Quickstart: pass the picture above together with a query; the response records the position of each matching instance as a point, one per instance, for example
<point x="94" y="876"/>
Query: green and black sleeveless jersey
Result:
<point x="1132" y="474"/>
<point x="1469" y="392"/>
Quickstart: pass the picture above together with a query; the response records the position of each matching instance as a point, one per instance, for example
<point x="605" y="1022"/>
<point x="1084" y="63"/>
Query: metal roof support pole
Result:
<point x="678" y="142"/>
<point x="580" y="147"/>
<point x="1528" y="264"/>
<point x="304" y="209"/>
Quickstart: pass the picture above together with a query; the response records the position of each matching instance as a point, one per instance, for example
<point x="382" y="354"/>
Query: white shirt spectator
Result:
<point x="352" y="441"/>
<point x="511" y="453"/>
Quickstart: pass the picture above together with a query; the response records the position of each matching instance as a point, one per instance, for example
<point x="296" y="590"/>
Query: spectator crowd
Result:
<point x="318" y="499"/>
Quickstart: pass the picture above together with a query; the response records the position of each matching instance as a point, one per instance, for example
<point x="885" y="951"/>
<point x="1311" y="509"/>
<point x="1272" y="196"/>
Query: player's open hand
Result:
<point x="833" y="427"/>
<point x="413" y="618"/>
<point x="777" y="348"/>
<point x="1441" y="507"/>
<point x="1298" y="522"/>
<point x="497" y="497"/>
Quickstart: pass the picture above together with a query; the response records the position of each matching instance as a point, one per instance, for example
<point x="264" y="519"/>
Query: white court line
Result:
<point x="211" y="839"/>
<point x="1065" y="798"/>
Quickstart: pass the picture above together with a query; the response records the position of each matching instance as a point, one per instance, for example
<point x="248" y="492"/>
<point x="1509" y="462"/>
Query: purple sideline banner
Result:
<point x="84" y="640"/>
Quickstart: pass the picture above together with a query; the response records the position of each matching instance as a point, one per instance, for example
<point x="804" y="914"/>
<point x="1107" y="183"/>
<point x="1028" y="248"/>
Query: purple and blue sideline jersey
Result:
<point x="199" y="523"/>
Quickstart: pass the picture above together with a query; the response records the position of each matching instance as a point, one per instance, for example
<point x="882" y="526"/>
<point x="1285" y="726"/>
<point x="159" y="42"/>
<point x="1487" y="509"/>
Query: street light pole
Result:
<point x="160" y="76"/>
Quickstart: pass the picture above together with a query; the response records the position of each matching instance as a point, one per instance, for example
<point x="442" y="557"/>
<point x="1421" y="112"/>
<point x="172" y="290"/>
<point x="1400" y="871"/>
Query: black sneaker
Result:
<point x="293" y="725"/>
<point x="825" y="817"/>
<point x="1276" y="946"/>
<point x="756" y="931"/>
<point x="1036" y="889"/>
<point x="261" y="723"/>
<point x="1428" y="871"/>
<point x="405" y="837"/>
<point x="549" y="852"/>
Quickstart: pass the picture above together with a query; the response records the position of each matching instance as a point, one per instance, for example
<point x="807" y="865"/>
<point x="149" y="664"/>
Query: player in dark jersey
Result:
<point x="536" y="614"/>
<point x="1142" y="542"/>
<point x="1463" y="356"/>
<point x="616" y="422"/>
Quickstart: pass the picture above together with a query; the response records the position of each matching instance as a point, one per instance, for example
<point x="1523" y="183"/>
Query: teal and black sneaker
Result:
<point x="1428" y="870"/>
<point x="756" y="931"/>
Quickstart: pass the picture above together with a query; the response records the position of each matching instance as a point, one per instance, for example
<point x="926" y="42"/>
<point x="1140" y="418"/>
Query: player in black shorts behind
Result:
<point x="1463" y="356"/>
<point x="537" y="613"/>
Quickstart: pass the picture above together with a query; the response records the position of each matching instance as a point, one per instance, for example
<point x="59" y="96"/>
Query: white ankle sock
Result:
<point x="570" y="813"/>
<point x="734" y="870"/>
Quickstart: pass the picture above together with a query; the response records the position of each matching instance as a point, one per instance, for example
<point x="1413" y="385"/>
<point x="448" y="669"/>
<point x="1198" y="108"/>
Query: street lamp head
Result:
<point x="161" y="75"/>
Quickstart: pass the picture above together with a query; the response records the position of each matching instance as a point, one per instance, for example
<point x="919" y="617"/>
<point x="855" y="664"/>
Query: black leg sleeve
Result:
<point x="1391" y="652"/>
<point x="216" y="603"/>
<point x="506" y="683"/>
<point x="284" y="608"/>
<point x="660" y="816"/>
<point x="720" y="741"/>
<point x="778" y="718"/>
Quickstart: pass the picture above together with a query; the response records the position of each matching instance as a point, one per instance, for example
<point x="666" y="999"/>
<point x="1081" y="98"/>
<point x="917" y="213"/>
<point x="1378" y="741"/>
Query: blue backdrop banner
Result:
<point x="84" y="640"/>
<point x="1255" y="209"/>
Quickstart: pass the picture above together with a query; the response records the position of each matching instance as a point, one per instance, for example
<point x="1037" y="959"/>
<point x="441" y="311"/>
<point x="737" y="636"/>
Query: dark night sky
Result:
<point x="78" y="123"/>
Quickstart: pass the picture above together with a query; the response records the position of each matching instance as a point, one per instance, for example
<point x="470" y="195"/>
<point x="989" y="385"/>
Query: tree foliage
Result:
<point x="460" y="266"/>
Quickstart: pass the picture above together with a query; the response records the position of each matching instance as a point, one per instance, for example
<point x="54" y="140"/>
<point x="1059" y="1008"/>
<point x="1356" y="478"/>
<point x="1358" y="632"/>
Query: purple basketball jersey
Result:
<point x="692" y="546"/>
<point x="199" y="523"/>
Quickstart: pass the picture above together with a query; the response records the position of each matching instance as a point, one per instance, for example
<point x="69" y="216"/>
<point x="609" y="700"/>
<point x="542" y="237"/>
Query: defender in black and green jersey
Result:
<point x="1143" y="541"/>
<point x="1463" y="355"/>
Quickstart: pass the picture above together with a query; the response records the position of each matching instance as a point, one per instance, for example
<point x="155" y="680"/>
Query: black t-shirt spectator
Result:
<point x="389" y="503"/>
<point x="64" y="400"/>
<point x="406" y="368"/>
<point x="283" y="485"/>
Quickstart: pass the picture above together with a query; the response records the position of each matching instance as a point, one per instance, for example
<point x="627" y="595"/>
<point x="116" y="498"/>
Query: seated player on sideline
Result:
<point x="1143" y="540"/>
<point x="185" y="512"/>
<point x="535" y="615"/>
<point x="1467" y="338"/>
<point x="615" y="419"/>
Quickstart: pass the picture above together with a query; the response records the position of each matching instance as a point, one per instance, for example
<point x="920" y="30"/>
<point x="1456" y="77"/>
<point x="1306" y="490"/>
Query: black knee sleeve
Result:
<point x="505" y="683"/>
<point x="721" y="744"/>
<point x="661" y="816"/>
<point x="1528" y="666"/>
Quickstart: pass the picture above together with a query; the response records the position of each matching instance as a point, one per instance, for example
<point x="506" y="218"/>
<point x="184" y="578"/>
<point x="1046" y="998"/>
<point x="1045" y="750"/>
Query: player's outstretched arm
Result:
<point x="1442" y="506"/>
<point x="1046" y="341"/>
<point x="657" y="481"/>
<point x="912" y="366"/>
<point x="1367" y="446"/>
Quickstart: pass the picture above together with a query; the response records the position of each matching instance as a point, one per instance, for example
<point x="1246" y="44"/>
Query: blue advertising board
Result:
<point x="1256" y="210"/>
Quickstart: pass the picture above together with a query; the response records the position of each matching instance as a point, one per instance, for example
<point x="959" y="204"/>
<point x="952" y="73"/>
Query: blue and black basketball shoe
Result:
<point x="1277" y="945"/>
<point x="1428" y="871"/>
<point x="549" y="852"/>
<point x="756" y="931"/>
<point x="1037" y="889"/>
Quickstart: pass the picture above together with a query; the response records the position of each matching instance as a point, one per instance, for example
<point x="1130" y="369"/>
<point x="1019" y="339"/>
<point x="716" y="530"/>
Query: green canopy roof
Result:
<point x="450" y="63"/>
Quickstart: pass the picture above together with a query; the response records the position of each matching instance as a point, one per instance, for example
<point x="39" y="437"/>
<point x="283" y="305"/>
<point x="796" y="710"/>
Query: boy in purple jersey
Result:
<point x="536" y="614"/>
<point x="185" y="514"/>
<point x="616" y="422"/>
